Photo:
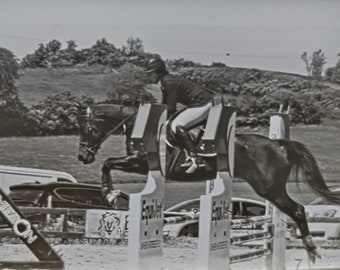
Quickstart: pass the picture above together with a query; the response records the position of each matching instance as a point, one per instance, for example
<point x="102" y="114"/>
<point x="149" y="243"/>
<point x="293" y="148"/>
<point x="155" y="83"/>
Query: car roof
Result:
<point x="52" y="185"/>
<point x="38" y="185"/>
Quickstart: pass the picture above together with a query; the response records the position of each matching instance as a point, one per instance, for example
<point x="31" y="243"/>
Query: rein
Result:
<point x="97" y="146"/>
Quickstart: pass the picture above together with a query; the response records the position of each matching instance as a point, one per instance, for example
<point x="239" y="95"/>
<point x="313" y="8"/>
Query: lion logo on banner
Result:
<point x="109" y="224"/>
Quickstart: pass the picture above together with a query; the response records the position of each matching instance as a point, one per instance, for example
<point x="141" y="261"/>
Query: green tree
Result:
<point x="134" y="47"/>
<point x="71" y="45"/>
<point x="12" y="111"/>
<point x="314" y="64"/>
<point x="336" y="71"/>
<point x="104" y="53"/>
<point x="69" y="56"/>
<point x="53" y="46"/>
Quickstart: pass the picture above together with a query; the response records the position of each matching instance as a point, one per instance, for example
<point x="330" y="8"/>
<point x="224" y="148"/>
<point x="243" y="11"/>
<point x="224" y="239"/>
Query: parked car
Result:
<point x="242" y="208"/>
<point x="61" y="195"/>
<point x="64" y="195"/>
<point x="10" y="175"/>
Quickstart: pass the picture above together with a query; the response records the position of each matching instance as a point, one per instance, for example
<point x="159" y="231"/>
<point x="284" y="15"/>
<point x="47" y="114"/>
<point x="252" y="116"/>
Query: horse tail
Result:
<point x="304" y="164"/>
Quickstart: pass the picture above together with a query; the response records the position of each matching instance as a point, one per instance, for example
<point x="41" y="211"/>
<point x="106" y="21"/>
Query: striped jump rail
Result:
<point x="235" y="222"/>
<point x="250" y="221"/>
<point x="319" y="220"/>
<point x="248" y="256"/>
<point x="238" y="240"/>
<point x="323" y="219"/>
<point x="178" y="219"/>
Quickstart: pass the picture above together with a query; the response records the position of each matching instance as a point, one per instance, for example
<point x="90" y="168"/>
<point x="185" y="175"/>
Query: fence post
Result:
<point x="145" y="235"/>
<point x="214" y="222"/>
<point x="279" y="129"/>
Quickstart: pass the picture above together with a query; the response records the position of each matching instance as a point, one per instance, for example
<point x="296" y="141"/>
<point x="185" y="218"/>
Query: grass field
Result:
<point x="60" y="153"/>
<point x="34" y="85"/>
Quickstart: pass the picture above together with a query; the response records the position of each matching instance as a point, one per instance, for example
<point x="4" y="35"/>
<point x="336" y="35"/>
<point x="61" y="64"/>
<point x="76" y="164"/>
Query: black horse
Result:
<point x="267" y="165"/>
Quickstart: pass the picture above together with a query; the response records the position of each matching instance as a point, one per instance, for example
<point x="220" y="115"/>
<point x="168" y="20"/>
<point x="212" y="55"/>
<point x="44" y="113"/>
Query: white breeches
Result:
<point x="191" y="117"/>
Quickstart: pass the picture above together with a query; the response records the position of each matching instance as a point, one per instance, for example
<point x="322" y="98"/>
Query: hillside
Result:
<point x="256" y="93"/>
<point x="35" y="85"/>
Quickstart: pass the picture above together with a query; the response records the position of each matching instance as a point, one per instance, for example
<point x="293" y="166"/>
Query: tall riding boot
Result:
<point x="185" y="141"/>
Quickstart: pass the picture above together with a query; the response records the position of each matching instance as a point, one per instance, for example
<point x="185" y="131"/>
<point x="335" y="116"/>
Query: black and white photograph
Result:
<point x="170" y="135"/>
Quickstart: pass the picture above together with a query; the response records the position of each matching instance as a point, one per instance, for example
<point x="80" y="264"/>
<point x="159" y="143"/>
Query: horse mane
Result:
<point x="124" y="102"/>
<point x="114" y="107"/>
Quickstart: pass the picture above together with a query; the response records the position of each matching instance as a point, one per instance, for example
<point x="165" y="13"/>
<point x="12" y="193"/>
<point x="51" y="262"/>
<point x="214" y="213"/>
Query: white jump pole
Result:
<point x="278" y="129"/>
<point x="145" y="236"/>
<point x="215" y="216"/>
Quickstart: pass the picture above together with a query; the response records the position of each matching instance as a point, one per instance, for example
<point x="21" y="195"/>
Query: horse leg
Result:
<point x="276" y="193"/>
<point x="113" y="163"/>
<point x="107" y="184"/>
<point x="296" y="212"/>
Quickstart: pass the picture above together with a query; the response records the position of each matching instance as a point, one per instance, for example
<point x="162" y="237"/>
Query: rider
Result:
<point x="197" y="99"/>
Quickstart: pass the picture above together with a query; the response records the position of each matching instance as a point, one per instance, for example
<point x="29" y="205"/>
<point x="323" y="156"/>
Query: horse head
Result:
<point x="99" y="121"/>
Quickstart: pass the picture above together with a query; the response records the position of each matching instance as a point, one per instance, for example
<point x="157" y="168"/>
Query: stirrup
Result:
<point x="194" y="165"/>
<point x="187" y="163"/>
<point x="112" y="195"/>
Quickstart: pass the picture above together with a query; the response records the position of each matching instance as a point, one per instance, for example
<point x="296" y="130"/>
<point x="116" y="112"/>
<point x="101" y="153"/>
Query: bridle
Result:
<point x="89" y="126"/>
<point x="88" y="116"/>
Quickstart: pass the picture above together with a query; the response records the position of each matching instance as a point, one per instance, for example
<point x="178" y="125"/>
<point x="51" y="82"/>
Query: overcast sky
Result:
<point x="264" y="34"/>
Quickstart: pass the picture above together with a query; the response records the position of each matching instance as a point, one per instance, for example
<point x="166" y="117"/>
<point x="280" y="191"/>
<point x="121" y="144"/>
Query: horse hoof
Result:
<point x="313" y="254"/>
<point x="311" y="248"/>
<point x="112" y="196"/>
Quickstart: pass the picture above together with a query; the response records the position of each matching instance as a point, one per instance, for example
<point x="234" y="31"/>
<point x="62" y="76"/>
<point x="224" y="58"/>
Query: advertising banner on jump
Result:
<point x="106" y="224"/>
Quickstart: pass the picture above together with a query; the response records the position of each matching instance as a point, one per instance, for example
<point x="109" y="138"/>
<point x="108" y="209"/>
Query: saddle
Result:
<point x="196" y="132"/>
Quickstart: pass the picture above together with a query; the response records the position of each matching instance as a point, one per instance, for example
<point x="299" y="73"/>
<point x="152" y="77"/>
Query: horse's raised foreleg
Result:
<point x="114" y="163"/>
<point x="107" y="184"/>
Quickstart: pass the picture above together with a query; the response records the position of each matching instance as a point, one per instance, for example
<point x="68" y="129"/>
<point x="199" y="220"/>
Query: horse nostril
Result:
<point x="80" y="158"/>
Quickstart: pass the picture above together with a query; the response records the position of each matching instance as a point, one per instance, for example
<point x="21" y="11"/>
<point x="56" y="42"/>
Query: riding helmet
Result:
<point x="155" y="65"/>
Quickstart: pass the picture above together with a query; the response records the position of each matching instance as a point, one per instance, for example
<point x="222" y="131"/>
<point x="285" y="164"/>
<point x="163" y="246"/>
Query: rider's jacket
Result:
<point x="179" y="89"/>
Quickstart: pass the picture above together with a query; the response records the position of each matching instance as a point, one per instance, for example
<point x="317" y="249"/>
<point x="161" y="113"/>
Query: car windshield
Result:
<point x="252" y="209"/>
<point x="26" y="195"/>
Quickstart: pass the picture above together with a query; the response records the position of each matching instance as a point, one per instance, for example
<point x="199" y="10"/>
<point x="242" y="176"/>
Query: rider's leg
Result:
<point x="180" y="126"/>
<point x="108" y="191"/>
<point x="191" y="117"/>
<point x="185" y="141"/>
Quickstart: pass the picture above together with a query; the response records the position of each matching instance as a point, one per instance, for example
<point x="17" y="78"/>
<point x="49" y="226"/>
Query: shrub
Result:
<point x="11" y="108"/>
<point x="56" y="115"/>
